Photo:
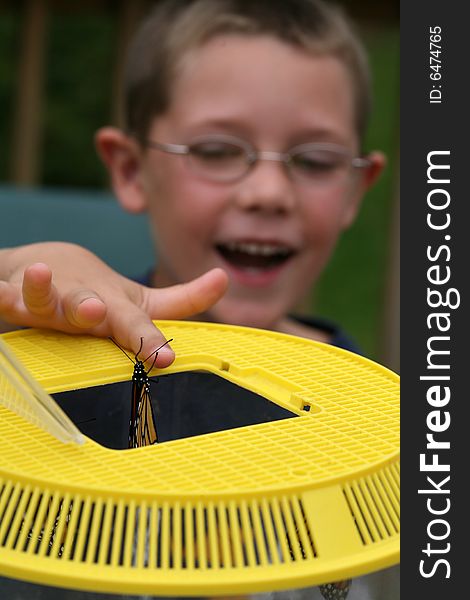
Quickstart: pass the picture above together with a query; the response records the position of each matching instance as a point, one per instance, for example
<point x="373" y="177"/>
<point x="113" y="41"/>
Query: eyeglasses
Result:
<point x="227" y="159"/>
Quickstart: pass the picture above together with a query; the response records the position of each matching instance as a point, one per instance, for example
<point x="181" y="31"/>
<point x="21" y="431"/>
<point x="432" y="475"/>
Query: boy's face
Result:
<point x="271" y="233"/>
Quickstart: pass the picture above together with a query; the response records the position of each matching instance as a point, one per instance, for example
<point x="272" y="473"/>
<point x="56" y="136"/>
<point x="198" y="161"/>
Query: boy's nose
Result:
<point x="266" y="187"/>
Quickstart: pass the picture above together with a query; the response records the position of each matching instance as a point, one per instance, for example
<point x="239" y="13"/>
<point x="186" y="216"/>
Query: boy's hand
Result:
<point x="72" y="290"/>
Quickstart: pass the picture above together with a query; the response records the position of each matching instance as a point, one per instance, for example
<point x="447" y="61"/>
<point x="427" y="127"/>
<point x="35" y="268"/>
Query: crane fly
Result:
<point x="142" y="428"/>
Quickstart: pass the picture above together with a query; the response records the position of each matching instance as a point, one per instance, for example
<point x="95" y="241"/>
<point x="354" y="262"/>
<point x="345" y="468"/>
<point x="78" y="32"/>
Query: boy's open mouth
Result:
<point x="254" y="255"/>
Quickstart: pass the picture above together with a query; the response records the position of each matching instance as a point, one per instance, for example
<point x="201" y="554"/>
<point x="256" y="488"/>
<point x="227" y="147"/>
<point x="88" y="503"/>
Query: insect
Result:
<point x="142" y="428"/>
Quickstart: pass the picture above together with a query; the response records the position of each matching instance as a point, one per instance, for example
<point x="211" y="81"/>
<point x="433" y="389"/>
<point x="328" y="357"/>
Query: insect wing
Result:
<point x="146" y="429"/>
<point x="142" y="428"/>
<point x="133" y="420"/>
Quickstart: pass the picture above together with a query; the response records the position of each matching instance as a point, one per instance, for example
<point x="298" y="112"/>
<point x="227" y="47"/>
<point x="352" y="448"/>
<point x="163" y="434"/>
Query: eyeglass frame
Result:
<point x="253" y="155"/>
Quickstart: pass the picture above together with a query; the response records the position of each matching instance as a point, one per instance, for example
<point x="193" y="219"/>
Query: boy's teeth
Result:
<point x="254" y="256"/>
<point x="257" y="249"/>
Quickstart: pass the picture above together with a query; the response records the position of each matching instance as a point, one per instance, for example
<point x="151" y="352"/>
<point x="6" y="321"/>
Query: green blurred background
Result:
<point x="82" y="49"/>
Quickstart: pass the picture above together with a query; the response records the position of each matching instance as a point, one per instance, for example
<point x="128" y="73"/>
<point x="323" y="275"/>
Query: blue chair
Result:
<point x="92" y="219"/>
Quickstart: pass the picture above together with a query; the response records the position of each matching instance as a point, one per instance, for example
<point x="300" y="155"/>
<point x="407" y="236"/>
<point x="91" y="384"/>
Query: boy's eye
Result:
<point x="216" y="151"/>
<point x="316" y="161"/>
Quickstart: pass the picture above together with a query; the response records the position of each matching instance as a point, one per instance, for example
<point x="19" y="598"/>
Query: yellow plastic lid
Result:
<point x="277" y="505"/>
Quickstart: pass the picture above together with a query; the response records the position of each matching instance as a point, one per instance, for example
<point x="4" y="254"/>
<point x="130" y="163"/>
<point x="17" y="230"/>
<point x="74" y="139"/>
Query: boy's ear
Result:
<point x="366" y="179"/>
<point x="122" y="156"/>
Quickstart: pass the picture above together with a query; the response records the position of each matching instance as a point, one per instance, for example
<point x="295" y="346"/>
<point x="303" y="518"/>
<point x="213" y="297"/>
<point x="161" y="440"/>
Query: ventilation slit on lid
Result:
<point x="306" y="528"/>
<point x="7" y="494"/>
<point x="153" y="523"/>
<point x="218" y="534"/>
<point x="252" y="526"/>
<point x="140" y="538"/>
<point x="269" y="529"/>
<point x="259" y="529"/>
<point x="58" y="515"/>
<point x="132" y="538"/>
<point x="294" y="543"/>
<point x="8" y="518"/>
<point x="248" y="536"/>
<point x="146" y="537"/>
<point x="370" y="512"/>
<point x="36" y="531"/>
<point x="235" y="537"/>
<point x="200" y="542"/>
<point x="373" y="507"/>
<point x="224" y="537"/>
<point x="9" y="524"/>
<point x="178" y="537"/>
<point x="209" y="543"/>
<point x="214" y="545"/>
<point x="24" y="540"/>
<point x="84" y="533"/>
<point x="280" y="532"/>
<point x="393" y="477"/>
<point x="69" y="533"/>
<point x="100" y="538"/>
<point x="104" y="543"/>
<point x="393" y="519"/>
<point x="390" y="497"/>
<point x="165" y="546"/>
<point x="76" y="524"/>
<point x="65" y="528"/>
<point x="59" y="527"/>
<point x="112" y="540"/>
<point x="187" y="536"/>
<point x="121" y="534"/>
<point x="95" y="532"/>
<point x="382" y="519"/>
<point x="129" y="535"/>
<point x="307" y="549"/>
<point x="36" y="534"/>
<point x="171" y="545"/>
<point x="22" y="513"/>
<point x="159" y="539"/>
<point x="356" y="512"/>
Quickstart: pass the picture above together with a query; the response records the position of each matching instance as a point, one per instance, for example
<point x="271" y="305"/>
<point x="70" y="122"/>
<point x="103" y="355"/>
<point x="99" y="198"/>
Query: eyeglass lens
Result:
<point x="218" y="159"/>
<point x="224" y="161"/>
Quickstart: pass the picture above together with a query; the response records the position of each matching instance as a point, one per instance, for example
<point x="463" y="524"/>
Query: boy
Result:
<point x="275" y="77"/>
<point x="244" y="123"/>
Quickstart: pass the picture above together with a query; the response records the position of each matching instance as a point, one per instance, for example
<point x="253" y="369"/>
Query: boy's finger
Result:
<point x="8" y="298"/>
<point x="129" y="324"/>
<point x="187" y="299"/>
<point x="39" y="295"/>
<point x="83" y="308"/>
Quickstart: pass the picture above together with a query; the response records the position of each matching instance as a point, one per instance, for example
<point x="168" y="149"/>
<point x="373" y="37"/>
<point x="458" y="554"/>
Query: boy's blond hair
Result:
<point x="176" y="26"/>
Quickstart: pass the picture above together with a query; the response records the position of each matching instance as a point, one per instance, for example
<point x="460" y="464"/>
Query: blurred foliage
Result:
<point x="80" y="58"/>
<point x="352" y="288"/>
<point x="9" y="36"/>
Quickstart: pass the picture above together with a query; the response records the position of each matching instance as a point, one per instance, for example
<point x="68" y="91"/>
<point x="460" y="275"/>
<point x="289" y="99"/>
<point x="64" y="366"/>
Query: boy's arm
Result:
<point x="63" y="286"/>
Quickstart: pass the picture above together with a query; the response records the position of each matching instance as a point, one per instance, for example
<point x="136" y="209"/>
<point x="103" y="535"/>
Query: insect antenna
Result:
<point x="122" y="349"/>
<point x="156" y="352"/>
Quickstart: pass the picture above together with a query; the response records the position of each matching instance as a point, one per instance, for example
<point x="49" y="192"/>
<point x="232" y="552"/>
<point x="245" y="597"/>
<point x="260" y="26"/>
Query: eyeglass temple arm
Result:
<point x="361" y="161"/>
<point x="171" y="148"/>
